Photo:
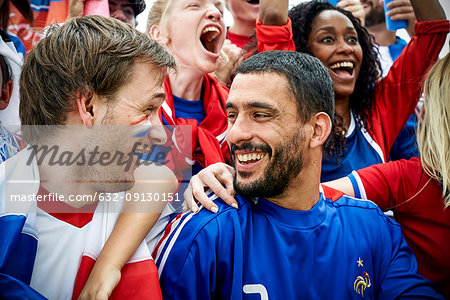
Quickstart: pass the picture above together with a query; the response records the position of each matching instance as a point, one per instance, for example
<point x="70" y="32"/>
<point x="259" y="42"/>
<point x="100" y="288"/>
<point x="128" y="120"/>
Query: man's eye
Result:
<point x="150" y="109"/>
<point x="129" y="12"/>
<point x="261" y="115"/>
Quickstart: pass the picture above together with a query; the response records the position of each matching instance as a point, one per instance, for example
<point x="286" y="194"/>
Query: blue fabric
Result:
<point x="356" y="190"/>
<point x="187" y="109"/>
<point x="17" y="254"/>
<point x="405" y="145"/>
<point x="9" y="144"/>
<point x="396" y="49"/>
<point x="265" y="250"/>
<point x="18" y="44"/>
<point x="359" y="154"/>
<point x="40" y="5"/>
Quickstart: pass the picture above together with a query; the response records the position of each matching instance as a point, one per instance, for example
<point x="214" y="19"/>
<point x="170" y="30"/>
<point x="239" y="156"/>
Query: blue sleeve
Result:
<point x="199" y="264"/>
<point x="355" y="185"/>
<point x="12" y="289"/>
<point x="17" y="254"/>
<point x="402" y="279"/>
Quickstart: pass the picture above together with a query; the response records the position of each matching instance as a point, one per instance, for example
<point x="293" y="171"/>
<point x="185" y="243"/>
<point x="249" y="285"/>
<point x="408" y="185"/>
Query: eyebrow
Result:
<point x="159" y="95"/>
<point x="331" y="28"/>
<point x="252" y="105"/>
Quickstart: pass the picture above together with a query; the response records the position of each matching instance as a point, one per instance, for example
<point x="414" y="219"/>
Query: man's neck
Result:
<point x="303" y="192"/>
<point x="56" y="177"/>
<point x="382" y="35"/>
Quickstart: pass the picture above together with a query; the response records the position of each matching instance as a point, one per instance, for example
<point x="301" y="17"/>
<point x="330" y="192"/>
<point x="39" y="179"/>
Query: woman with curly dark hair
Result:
<point x="370" y="112"/>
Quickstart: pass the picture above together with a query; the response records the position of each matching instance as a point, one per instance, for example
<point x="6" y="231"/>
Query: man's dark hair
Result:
<point x="138" y="6"/>
<point x="308" y="79"/>
<point x="86" y="55"/>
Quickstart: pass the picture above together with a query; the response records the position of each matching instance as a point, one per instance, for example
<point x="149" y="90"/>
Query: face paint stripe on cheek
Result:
<point x="142" y="129"/>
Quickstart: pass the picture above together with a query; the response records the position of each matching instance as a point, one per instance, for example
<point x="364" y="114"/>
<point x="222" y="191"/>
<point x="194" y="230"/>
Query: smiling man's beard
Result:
<point x="375" y="16"/>
<point x="283" y="167"/>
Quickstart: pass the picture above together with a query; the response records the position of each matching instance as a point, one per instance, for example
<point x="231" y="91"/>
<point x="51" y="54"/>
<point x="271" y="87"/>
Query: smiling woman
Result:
<point x="370" y="112"/>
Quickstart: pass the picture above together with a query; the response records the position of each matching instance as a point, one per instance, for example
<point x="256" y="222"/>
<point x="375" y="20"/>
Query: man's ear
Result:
<point x="157" y="35"/>
<point x="322" y="126"/>
<point x="85" y="108"/>
<point x="6" y="94"/>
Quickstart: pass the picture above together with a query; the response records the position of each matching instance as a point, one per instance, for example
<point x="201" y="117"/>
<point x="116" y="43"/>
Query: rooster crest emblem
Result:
<point x="362" y="283"/>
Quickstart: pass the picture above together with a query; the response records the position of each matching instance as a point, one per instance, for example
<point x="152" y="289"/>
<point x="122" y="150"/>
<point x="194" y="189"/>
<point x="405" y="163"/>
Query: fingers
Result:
<point x="400" y="10"/>
<point x="399" y="3"/>
<point x="214" y="177"/>
<point x="220" y="175"/>
<point x="189" y="202"/>
<point x="198" y="192"/>
<point x="355" y="7"/>
<point x="232" y="51"/>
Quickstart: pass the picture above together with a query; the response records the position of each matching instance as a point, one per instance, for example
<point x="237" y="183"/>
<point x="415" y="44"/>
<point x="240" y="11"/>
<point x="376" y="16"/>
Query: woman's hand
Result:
<point x="402" y="10"/>
<point x="214" y="177"/>
<point x="101" y="283"/>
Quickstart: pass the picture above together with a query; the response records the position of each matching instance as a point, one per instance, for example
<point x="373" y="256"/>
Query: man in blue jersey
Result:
<point x="289" y="238"/>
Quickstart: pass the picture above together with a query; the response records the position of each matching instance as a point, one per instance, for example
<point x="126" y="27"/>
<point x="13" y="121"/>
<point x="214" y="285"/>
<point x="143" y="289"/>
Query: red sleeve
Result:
<point x="392" y="183"/>
<point x="274" y="37"/>
<point x="397" y="94"/>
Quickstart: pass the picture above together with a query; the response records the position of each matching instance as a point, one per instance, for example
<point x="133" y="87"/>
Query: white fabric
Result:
<point x="60" y="244"/>
<point x="10" y="115"/>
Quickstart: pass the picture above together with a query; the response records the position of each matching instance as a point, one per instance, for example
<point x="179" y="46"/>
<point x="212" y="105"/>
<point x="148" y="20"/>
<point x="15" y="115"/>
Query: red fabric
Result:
<point x="167" y="231"/>
<point x="206" y="147"/>
<point x="77" y="217"/>
<point x="418" y="206"/>
<point x="274" y="37"/>
<point x="331" y="193"/>
<point x="30" y="34"/>
<point x="139" y="280"/>
<point x="237" y="39"/>
<point x="397" y="95"/>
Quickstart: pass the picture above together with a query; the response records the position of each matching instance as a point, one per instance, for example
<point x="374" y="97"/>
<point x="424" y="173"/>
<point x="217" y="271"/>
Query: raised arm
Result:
<point x="273" y="12"/>
<point x="134" y="223"/>
<point x="273" y="27"/>
<point x="428" y="10"/>
<point x="403" y="82"/>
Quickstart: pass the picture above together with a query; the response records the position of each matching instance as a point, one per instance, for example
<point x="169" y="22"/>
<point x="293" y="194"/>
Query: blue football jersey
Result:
<point x="342" y="248"/>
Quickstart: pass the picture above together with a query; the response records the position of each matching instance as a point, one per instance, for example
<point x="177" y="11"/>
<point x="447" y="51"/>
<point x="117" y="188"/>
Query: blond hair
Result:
<point x="433" y="134"/>
<point x="158" y="10"/>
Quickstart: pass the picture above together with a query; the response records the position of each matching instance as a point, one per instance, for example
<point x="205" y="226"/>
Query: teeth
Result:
<point x="213" y="35"/>
<point x="344" y="64"/>
<point x="247" y="157"/>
